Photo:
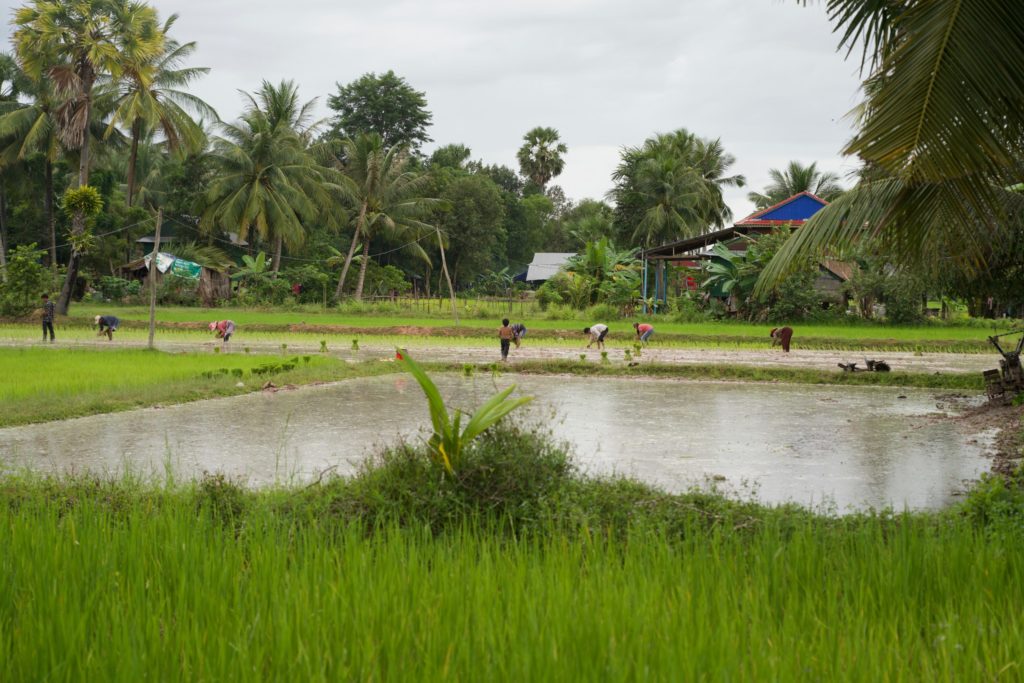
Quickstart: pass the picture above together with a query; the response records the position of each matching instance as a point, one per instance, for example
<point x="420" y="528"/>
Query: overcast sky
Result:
<point x="763" y="75"/>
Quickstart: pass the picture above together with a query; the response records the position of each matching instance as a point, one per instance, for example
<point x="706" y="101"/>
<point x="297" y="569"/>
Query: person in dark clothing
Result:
<point x="48" y="312"/>
<point x="782" y="335"/>
<point x="108" y="324"/>
<point x="505" y="335"/>
<point x="518" y="332"/>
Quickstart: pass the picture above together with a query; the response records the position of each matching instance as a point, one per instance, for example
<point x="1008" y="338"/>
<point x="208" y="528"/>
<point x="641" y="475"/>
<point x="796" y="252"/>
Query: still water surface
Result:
<point x="850" y="446"/>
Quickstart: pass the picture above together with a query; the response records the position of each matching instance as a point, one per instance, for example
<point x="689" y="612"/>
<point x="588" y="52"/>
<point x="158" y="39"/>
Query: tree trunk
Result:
<point x="78" y="220"/>
<point x="276" y="266"/>
<point x="133" y="157"/>
<point x="362" y="269"/>
<point x="351" y="251"/>
<point x="3" y="230"/>
<point x="48" y="214"/>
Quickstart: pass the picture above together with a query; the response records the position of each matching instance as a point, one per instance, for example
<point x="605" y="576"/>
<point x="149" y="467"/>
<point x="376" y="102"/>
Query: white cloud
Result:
<point x="762" y="75"/>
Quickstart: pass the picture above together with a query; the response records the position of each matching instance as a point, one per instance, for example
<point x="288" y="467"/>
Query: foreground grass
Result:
<point x="518" y="570"/>
<point x="47" y="383"/>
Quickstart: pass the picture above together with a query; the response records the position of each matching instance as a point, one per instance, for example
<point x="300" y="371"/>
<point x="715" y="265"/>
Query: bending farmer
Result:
<point x="518" y="332"/>
<point x="782" y="335"/>
<point x="223" y="329"/>
<point x="108" y="324"/>
<point x="597" y="334"/>
<point x="643" y="331"/>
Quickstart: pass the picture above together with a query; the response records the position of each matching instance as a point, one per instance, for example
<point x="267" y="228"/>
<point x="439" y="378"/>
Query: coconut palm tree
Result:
<point x="672" y="187"/>
<point x="266" y="181"/>
<point x="30" y="128"/>
<point x="148" y="97"/>
<point x="797" y="178"/>
<point x="941" y="129"/>
<point x="387" y="200"/>
<point x="72" y="44"/>
<point x="540" y="157"/>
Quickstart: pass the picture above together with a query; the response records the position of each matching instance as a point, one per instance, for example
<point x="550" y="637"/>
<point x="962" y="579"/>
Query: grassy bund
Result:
<point x="516" y="569"/>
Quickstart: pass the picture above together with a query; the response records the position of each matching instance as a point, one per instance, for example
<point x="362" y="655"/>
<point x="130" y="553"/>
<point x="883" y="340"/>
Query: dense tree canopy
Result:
<point x="386" y="105"/>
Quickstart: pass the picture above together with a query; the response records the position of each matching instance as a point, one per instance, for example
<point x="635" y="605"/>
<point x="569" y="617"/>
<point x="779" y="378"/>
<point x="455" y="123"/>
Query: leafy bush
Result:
<point x="510" y="473"/>
<point x="116" y="288"/>
<point x="177" y="291"/>
<point x="27" y="280"/>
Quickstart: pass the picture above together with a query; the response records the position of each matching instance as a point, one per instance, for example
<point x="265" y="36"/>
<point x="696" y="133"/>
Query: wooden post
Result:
<point x="444" y="268"/>
<point x="152" y="278"/>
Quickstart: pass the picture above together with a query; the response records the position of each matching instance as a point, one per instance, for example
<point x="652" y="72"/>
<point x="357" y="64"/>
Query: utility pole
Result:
<point x="152" y="277"/>
<point x="444" y="269"/>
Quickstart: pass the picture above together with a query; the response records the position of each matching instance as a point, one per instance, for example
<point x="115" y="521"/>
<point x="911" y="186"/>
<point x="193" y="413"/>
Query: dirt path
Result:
<point x="485" y="353"/>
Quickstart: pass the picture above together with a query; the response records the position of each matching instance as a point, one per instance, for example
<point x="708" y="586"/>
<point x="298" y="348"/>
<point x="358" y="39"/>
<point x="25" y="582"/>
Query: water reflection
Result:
<point x="855" y="446"/>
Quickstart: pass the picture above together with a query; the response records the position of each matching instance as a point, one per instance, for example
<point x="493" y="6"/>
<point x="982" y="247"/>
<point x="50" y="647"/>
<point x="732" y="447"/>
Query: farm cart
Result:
<point x="1008" y="380"/>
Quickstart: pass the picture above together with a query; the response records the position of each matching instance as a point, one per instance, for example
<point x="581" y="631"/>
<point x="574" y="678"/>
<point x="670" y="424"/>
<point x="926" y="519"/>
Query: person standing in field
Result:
<point x="505" y="336"/>
<point x="643" y="331"/>
<point x="518" y="332"/>
<point x="597" y="334"/>
<point x="223" y="329"/>
<point x="108" y="324"/>
<point x="782" y="335"/>
<point x="48" y="312"/>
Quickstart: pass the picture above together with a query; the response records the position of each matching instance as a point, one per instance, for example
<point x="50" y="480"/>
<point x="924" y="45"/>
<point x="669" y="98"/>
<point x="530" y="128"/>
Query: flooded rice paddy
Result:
<point x="854" y="447"/>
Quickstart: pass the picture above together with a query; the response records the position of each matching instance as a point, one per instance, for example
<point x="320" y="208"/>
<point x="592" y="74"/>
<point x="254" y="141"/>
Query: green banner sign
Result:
<point x="187" y="269"/>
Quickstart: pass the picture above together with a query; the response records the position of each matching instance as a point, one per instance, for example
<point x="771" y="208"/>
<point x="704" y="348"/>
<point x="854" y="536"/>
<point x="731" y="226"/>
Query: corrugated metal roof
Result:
<point x="545" y="265"/>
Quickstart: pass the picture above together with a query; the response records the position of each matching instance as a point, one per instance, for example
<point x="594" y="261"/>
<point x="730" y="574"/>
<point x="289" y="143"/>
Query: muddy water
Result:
<point x="851" y="447"/>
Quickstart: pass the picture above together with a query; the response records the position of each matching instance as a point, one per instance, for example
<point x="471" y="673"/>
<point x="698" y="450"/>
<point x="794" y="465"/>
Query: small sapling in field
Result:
<point x="355" y="344"/>
<point x="450" y="437"/>
<point x="323" y="346"/>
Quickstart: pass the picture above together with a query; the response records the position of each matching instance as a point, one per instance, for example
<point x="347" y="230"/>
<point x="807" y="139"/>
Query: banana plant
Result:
<point x="450" y="438"/>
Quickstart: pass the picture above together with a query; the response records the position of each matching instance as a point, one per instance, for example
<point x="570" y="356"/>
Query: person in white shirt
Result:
<point x="597" y="334"/>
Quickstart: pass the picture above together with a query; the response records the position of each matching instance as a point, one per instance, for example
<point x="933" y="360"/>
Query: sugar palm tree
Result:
<point x="797" y="178"/>
<point x="266" y="181"/>
<point x="148" y="97"/>
<point x="941" y="130"/>
<point x="387" y="200"/>
<point x="540" y="157"/>
<point x="72" y="43"/>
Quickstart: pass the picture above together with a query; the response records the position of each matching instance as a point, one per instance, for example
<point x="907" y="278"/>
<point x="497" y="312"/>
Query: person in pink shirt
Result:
<point x="643" y="331"/>
<point x="223" y="329"/>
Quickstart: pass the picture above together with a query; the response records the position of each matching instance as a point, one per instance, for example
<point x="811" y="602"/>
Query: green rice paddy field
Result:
<point x="538" y="321"/>
<point x="118" y="582"/>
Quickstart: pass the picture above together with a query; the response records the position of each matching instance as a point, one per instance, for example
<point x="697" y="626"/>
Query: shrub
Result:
<point x="509" y="474"/>
<point x="26" y="282"/>
<point x="177" y="291"/>
<point x="116" y="288"/>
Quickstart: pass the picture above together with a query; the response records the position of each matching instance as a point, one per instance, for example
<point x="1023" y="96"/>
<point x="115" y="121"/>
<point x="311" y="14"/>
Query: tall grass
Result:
<point x="567" y="579"/>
